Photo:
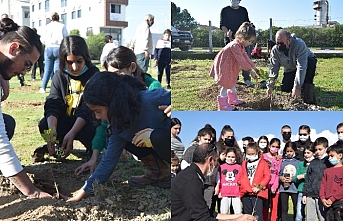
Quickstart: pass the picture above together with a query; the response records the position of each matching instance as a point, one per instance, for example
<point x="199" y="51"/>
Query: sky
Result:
<point x="284" y="13"/>
<point x="258" y="123"/>
<point x="137" y="9"/>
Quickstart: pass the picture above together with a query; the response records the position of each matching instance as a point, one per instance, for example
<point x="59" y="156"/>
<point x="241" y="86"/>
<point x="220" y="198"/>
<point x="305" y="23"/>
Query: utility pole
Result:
<point x="210" y="36"/>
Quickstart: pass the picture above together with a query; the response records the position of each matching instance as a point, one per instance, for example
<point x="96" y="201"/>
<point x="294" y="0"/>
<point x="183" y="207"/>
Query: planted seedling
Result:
<point x="50" y="138"/>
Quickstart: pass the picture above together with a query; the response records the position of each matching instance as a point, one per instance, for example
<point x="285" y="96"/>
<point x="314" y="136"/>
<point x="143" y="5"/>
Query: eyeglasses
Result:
<point x="302" y="134"/>
<point x="286" y="132"/>
<point x="28" y="63"/>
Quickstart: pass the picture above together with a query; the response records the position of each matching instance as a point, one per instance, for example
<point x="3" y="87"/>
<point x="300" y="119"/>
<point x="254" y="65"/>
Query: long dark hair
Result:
<point x="75" y="45"/>
<point x="119" y="93"/>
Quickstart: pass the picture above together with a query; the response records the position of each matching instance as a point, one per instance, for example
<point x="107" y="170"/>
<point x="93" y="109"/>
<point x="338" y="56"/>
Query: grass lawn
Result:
<point x="189" y="77"/>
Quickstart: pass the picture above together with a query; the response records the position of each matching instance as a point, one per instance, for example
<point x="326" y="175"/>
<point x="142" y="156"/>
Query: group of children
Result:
<point x="260" y="180"/>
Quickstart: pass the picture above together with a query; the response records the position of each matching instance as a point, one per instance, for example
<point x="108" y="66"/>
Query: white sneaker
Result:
<point x="41" y="91"/>
<point x="248" y="83"/>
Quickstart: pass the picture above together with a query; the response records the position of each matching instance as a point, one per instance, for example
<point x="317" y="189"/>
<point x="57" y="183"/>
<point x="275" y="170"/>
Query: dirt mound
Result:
<point x="177" y="69"/>
<point x="115" y="200"/>
<point x="256" y="99"/>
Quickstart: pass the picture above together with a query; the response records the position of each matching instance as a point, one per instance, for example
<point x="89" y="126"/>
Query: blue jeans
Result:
<point x="300" y="208"/>
<point x="143" y="62"/>
<point x="51" y="64"/>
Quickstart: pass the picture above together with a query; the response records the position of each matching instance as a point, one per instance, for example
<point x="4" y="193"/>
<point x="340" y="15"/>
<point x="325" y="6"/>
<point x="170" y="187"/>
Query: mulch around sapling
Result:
<point x="115" y="200"/>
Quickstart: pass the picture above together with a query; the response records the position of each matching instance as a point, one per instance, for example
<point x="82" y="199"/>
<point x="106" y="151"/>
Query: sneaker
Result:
<point x="248" y="83"/>
<point x="41" y="91"/>
<point x="168" y="86"/>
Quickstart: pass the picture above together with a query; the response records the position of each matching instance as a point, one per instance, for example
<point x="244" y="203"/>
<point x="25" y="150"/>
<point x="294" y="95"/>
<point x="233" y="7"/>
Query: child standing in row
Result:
<point x="314" y="175"/>
<point x="331" y="194"/>
<point x="274" y="160"/>
<point x="226" y="66"/>
<point x="300" y="178"/>
<point x="228" y="185"/>
<point x="254" y="180"/>
<point x="287" y="187"/>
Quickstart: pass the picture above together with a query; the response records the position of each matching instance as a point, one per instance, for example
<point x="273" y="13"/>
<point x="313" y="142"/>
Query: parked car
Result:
<point x="181" y="39"/>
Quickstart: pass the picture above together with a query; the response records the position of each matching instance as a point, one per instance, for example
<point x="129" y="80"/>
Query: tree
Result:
<point x="182" y="19"/>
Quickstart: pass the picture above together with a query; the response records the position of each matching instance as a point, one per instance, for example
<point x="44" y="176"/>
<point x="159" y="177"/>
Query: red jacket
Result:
<point x="261" y="178"/>
<point x="258" y="52"/>
<point x="331" y="185"/>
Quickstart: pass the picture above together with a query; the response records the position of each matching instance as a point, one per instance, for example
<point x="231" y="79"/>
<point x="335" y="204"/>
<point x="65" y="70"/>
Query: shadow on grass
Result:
<point x="328" y="99"/>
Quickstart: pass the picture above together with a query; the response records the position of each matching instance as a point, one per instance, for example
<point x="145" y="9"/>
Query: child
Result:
<point x="299" y="180"/>
<point x="254" y="180"/>
<point x="274" y="160"/>
<point x="314" y="174"/>
<point x="176" y="143"/>
<point x="287" y="187"/>
<point x="227" y="187"/>
<point x="331" y="193"/>
<point x="304" y="140"/>
<point x="175" y="164"/>
<point x="163" y="56"/>
<point x="263" y="143"/>
<point x="339" y="130"/>
<point x="226" y="66"/>
<point x="257" y="52"/>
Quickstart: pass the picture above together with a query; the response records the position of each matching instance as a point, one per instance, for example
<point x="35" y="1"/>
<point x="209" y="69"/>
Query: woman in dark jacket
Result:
<point x="66" y="115"/>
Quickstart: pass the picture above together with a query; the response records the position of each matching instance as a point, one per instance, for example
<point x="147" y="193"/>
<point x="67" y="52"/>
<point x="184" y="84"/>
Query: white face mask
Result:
<point x="251" y="157"/>
<point x="230" y="161"/>
<point x="262" y="145"/>
<point x="310" y="159"/>
<point x="340" y="136"/>
<point x="303" y="138"/>
<point x="235" y="3"/>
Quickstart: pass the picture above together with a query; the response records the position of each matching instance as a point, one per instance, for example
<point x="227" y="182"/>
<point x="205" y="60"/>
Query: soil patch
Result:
<point x="115" y="200"/>
<point x="177" y="69"/>
<point x="257" y="100"/>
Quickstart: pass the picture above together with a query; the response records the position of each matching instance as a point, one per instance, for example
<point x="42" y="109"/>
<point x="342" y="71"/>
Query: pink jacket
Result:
<point x="226" y="65"/>
<point x="274" y="171"/>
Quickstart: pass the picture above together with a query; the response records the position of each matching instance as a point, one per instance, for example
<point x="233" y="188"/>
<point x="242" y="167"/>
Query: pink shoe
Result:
<point x="223" y="104"/>
<point x="232" y="99"/>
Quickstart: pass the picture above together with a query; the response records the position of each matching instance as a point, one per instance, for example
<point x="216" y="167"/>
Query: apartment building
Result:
<point x="94" y="16"/>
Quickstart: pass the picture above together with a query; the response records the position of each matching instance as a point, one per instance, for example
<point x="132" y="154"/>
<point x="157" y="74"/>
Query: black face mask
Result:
<point x="286" y="136"/>
<point x="282" y="47"/>
<point x="229" y="142"/>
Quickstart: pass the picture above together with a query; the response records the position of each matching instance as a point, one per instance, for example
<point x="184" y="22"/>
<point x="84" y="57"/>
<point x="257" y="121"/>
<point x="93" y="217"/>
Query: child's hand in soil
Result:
<point x="89" y="165"/>
<point x="81" y="194"/>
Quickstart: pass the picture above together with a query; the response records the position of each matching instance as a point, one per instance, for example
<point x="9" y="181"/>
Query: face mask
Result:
<point x="291" y="156"/>
<point x="282" y="47"/>
<point x="303" y="138"/>
<point x="230" y="161"/>
<point x="251" y="158"/>
<point x="85" y="68"/>
<point x="333" y="161"/>
<point x="340" y="136"/>
<point x="229" y="142"/>
<point x="235" y="3"/>
<point x="262" y="145"/>
<point x="273" y="150"/>
<point x="310" y="159"/>
<point x="286" y="136"/>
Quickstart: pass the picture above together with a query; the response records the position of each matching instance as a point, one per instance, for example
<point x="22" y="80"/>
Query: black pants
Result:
<point x="284" y="205"/>
<point x="249" y="202"/>
<point x="40" y="64"/>
<point x="85" y="135"/>
<point x="288" y="77"/>
<point x="160" y="139"/>
<point x="9" y="125"/>
<point x="163" y="65"/>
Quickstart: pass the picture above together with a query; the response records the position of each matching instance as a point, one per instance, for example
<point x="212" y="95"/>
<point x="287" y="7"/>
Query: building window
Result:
<point x="64" y="19"/>
<point x="115" y="8"/>
<point x="47" y="5"/>
<point x="63" y="3"/>
<point x="33" y="24"/>
<point x="40" y="23"/>
<point x="33" y="8"/>
<point x="79" y="13"/>
<point x="73" y="15"/>
<point x="26" y="14"/>
<point x="39" y="6"/>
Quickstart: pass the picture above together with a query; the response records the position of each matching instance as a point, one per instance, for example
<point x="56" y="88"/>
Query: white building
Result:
<point x="94" y="16"/>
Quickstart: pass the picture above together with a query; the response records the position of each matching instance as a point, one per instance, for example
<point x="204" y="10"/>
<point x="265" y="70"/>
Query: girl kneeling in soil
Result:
<point x="226" y="66"/>
<point x="120" y="60"/>
<point x="132" y="111"/>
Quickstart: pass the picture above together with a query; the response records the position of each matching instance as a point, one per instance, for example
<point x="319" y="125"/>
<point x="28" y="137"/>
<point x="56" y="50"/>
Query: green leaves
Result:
<point x="47" y="136"/>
